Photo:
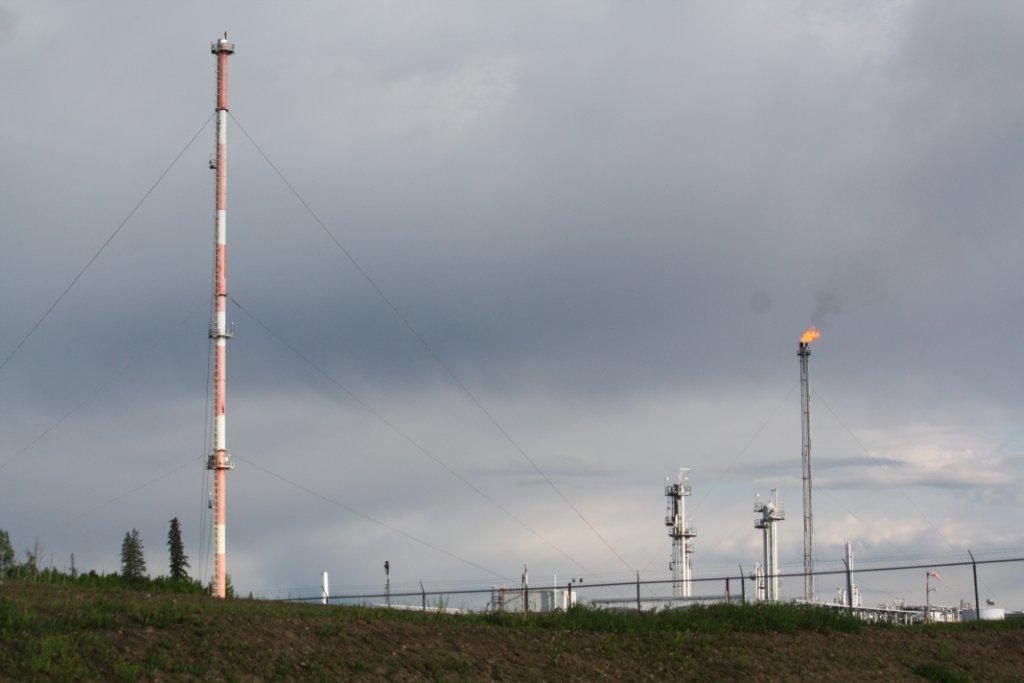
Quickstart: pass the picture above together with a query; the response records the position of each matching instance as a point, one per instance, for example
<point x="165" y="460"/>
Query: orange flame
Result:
<point x="810" y="334"/>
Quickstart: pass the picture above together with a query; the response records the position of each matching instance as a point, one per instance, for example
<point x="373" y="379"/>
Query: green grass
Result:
<point x="124" y="633"/>
<point x="759" y="618"/>
<point x="940" y="673"/>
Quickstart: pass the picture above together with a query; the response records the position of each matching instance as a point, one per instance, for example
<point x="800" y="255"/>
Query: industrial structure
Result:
<point x="681" y="533"/>
<point x="766" y="574"/>
<point x="219" y="460"/>
<point x="505" y="599"/>
<point x="771" y="514"/>
<point x="804" y="354"/>
<point x="850" y="595"/>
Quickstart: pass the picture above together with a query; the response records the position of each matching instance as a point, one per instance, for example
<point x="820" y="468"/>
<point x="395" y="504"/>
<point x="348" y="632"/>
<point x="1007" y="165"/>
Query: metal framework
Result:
<point x="850" y="595"/>
<point x="771" y="514"/>
<point x="219" y="460"/>
<point x="654" y="582"/>
<point x="681" y="533"/>
<point x="804" y="354"/>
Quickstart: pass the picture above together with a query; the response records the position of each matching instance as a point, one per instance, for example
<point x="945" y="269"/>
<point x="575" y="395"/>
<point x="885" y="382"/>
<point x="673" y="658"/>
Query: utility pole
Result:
<point x="219" y="460"/>
<point x="928" y="595"/>
<point x="977" y="605"/>
<point x="387" y="582"/>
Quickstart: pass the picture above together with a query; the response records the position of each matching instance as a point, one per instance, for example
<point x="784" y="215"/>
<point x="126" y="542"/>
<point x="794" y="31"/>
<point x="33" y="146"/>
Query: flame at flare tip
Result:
<point x="810" y="334"/>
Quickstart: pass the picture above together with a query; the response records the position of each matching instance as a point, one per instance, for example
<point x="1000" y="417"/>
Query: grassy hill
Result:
<point x="61" y="632"/>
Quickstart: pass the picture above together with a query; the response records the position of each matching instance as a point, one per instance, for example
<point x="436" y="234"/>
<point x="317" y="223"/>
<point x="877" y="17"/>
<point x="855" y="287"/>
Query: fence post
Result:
<point x="977" y="606"/>
<point x="743" y="585"/>
<point x="638" y="590"/>
<point x="728" y="598"/>
<point x="423" y="597"/>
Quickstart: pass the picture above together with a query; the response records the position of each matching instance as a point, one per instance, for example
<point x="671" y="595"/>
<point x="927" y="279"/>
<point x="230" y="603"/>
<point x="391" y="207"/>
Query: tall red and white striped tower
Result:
<point x="219" y="460"/>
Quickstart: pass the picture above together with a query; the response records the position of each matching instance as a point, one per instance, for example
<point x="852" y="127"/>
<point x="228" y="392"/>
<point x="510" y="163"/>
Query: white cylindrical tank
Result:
<point x="987" y="614"/>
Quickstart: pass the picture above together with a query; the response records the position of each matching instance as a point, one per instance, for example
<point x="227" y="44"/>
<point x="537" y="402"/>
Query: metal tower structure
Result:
<point x="771" y="514"/>
<point x="850" y="595"/>
<point x="759" y="585"/>
<point x="804" y="354"/>
<point x="680" y="533"/>
<point x="219" y="460"/>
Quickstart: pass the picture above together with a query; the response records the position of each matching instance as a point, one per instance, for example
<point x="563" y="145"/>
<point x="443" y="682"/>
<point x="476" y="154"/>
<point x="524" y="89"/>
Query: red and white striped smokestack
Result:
<point x="219" y="460"/>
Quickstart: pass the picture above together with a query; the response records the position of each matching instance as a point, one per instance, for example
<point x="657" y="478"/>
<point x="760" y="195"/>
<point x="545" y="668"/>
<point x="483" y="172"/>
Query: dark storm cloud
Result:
<point x="612" y="223"/>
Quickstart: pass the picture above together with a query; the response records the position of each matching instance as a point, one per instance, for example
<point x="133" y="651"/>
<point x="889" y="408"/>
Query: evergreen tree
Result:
<point x="229" y="589"/>
<point x="6" y="554"/>
<point x="133" y="564"/>
<point x="179" y="560"/>
<point x="32" y="560"/>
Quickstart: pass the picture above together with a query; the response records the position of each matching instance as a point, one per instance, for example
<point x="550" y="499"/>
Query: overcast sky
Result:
<point x="611" y="221"/>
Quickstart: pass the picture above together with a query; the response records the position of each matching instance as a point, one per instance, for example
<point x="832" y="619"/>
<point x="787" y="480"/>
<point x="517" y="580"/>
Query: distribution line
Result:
<point x="877" y="463"/>
<point x="880" y="465"/>
<point x="730" y="536"/>
<point x="747" y="524"/>
<point x="103" y="246"/>
<point x="133" y="489"/>
<point x="397" y="430"/>
<point x="874" y="534"/>
<point x="743" y="450"/>
<point x="78" y="406"/>
<point x="426" y="345"/>
<point x="701" y="579"/>
<point x="658" y="551"/>
<point x="81" y="404"/>
<point x="733" y="461"/>
<point x="368" y="518"/>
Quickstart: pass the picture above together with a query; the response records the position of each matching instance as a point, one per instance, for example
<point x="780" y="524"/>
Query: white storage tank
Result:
<point x="987" y="614"/>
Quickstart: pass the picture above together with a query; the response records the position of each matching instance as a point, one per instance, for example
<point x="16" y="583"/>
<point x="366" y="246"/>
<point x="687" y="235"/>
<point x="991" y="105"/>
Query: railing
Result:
<point x="734" y="589"/>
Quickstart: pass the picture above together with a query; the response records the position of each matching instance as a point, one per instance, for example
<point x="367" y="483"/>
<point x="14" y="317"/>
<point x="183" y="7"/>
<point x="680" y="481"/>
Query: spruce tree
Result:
<point x="127" y="556"/>
<point x="133" y="563"/>
<point x="32" y="560"/>
<point x="179" y="560"/>
<point x="229" y="588"/>
<point x="6" y="554"/>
